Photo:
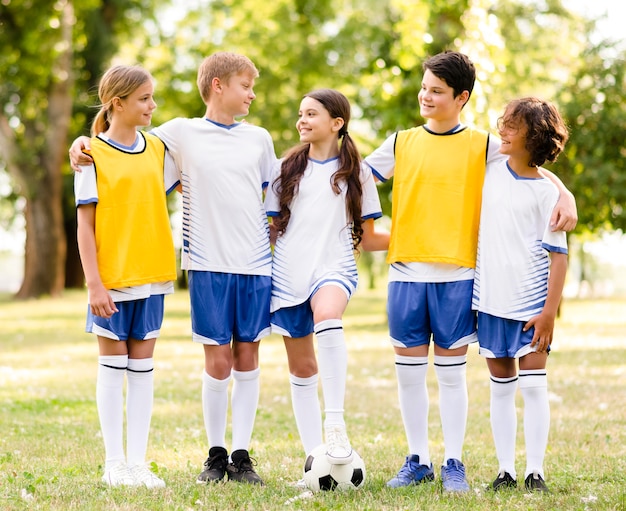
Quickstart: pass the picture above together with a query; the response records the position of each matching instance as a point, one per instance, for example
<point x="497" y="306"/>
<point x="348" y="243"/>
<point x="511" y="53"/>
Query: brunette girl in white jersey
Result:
<point x="323" y="203"/>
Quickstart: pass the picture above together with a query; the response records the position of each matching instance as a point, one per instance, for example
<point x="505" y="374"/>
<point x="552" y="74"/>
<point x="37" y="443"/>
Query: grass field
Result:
<point x="51" y="452"/>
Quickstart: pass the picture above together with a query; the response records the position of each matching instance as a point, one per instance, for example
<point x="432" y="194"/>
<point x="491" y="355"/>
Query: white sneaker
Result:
<point x="145" y="477"/>
<point x="119" y="475"/>
<point x="338" y="448"/>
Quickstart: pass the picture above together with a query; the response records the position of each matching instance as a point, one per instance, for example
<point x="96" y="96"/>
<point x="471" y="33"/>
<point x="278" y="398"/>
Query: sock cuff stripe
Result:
<point x="407" y="364"/>
<point x="523" y="374"/>
<point x="323" y="330"/>
<point x="503" y="381"/>
<point x="450" y="365"/>
<point x="140" y="370"/>
<point x="115" y="367"/>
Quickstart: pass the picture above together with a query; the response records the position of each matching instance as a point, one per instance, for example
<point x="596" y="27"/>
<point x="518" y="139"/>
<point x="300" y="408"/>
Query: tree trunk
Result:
<point x="44" y="260"/>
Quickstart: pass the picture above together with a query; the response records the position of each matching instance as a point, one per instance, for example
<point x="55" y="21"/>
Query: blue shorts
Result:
<point x="135" y="319"/>
<point x="443" y="310"/>
<point x="229" y="306"/>
<point x="503" y="338"/>
<point x="294" y="321"/>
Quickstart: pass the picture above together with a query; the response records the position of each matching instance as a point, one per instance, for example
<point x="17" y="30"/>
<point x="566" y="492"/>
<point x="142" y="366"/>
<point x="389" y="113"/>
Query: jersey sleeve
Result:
<point x="171" y="173"/>
<point x="370" y="204"/>
<point x="269" y="161"/>
<point x="272" y="207"/>
<point x="85" y="186"/>
<point x="383" y="160"/>
<point x="552" y="241"/>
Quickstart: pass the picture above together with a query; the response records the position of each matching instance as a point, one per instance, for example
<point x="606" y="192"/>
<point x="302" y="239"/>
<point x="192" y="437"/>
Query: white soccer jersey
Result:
<point x="382" y="162"/>
<point x="223" y="172"/>
<point x="511" y="279"/>
<point x="86" y="192"/>
<point x="316" y="248"/>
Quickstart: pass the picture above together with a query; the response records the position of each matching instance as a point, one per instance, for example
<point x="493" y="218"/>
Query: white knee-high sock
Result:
<point x="306" y="409"/>
<point x="110" y="403"/>
<point x="244" y="404"/>
<point x="504" y="421"/>
<point x="453" y="402"/>
<point x="414" y="403"/>
<point x="534" y="386"/>
<point x="139" y="400"/>
<point x="215" y="409"/>
<point x="333" y="368"/>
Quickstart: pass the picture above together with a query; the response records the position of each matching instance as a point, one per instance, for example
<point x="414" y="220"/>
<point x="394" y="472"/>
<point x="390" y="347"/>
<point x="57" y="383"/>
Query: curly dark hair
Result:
<point x="546" y="133"/>
<point x="296" y="161"/>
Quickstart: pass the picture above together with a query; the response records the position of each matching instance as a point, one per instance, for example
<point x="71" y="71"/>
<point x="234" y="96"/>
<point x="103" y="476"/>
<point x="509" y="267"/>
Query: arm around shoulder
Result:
<point x="373" y="240"/>
<point x="565" y="214"/>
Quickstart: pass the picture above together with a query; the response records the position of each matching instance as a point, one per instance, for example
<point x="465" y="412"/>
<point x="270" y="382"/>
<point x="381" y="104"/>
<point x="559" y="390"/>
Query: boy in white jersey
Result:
<point x="438" y="171"/>
<point x="224" y="167"/>
<point x="129" y="264"/>
<point x="520" y="273"/>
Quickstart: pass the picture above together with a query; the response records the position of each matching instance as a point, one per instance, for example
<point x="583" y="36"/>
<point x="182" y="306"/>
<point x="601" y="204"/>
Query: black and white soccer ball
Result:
<point x="320" y="475"/>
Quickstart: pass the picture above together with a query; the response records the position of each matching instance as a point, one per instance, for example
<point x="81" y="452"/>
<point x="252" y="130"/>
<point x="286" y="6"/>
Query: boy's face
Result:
<point x="437" y="101"/>
<point x="512" y="134"/>
<point x="238" y="94"/>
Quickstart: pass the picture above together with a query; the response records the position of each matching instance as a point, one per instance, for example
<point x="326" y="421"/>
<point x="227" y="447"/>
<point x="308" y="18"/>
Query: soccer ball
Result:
<point x="320" y="475"/>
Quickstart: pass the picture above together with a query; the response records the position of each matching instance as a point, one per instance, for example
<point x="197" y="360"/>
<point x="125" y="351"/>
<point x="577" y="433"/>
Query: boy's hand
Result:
<point x="544" y="330"/>
<point x="564" y="215"/>
<point x="77" y="157"/>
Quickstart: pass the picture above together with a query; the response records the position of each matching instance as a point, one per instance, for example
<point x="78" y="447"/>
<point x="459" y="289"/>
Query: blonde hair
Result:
<point x="117" y="82"/>
<point x="222" y="65"/>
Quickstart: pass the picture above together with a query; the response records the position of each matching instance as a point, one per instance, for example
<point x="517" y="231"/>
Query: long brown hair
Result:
<point x="295" y="163"/>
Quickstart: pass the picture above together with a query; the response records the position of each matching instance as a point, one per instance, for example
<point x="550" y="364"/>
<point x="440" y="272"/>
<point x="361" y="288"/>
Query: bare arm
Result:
<point x="100" y="300"/>
<point x="77" y="157"/>
<point x="373" y="240"/>
<point x="565" y="215"/>
<point x="544" y="322"/>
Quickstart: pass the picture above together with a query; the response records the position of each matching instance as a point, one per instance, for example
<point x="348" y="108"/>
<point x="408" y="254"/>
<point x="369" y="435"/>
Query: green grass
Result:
<point x="51" y="452"/>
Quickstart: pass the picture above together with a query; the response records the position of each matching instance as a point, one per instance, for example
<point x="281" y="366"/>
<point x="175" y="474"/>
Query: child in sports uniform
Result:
<point x="520" y="273"/>
<point x="438" y="171"/>
<point x="225" y="166"/>
<point x="129" y="263"/>
<point x="323" y="203"/>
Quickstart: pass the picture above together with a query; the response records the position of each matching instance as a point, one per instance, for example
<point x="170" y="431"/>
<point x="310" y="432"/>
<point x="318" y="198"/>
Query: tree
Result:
<point x="50" y="49"/>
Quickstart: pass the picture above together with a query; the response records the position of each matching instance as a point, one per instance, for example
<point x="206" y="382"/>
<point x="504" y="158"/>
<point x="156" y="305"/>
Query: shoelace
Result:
<point x="245" y="464"/>
<point x="456" y="473"/>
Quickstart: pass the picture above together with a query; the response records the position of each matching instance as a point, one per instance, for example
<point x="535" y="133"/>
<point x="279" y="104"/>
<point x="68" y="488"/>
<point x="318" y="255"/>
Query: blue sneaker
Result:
<point x="412" y="473"/>
<point x="453" y="476"/>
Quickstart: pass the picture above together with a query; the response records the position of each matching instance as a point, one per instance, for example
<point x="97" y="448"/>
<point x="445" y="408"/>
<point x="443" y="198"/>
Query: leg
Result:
<point x="503" y="415"/>
<point x="112" y="364"/>
<point x="245" y="393"/>
<point x="534" y="386"/>
<point x="304" y="394"/>
<point x="328" y="305"/>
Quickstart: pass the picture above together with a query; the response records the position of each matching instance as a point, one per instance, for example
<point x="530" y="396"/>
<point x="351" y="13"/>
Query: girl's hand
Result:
<point x="544" y="330"/>
<point x="101" y="302"/>
<point x="77" y="157"/>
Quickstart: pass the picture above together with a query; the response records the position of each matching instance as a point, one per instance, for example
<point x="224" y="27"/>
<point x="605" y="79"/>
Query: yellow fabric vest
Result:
<point x="436" y="197"/>
<point x="133" y="234"/>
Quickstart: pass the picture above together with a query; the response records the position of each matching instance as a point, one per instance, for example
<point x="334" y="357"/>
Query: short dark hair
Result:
<point x="455" y="68"/>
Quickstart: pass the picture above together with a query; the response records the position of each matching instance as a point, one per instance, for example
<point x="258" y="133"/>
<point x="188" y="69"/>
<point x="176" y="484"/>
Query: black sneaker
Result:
<point x="241" y="468"/>
<point x="534" y="482"/>
<point x="214" y="466"/>
<point x="504" y="480"/>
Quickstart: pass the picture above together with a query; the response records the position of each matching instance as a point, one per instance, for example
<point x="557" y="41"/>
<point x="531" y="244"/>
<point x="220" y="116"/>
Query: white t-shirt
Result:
<point x="223" y="172"/>
<point x="514" y="240"/>
<point x="316" y="248"/>
<point x="86" y="192"/>
<point x="382" y="162"/>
